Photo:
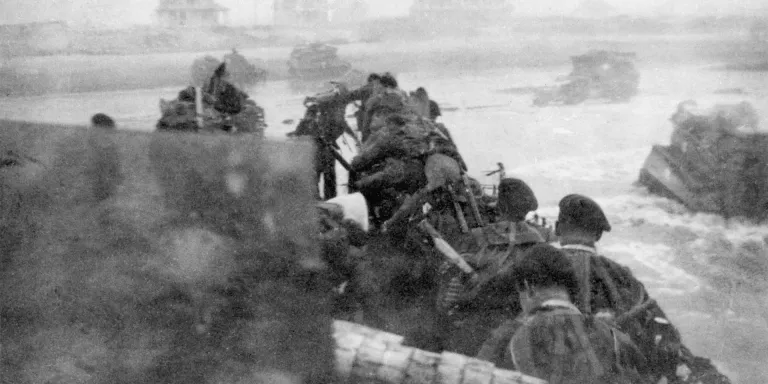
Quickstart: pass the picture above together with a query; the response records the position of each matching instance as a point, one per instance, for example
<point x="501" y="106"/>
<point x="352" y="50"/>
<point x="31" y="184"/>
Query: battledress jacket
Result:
<point x="382" y="104"/>
<point x="471" y="312"/>
<point x="615" y="290"/>
<point x="557" y="343"/>
<point x="413" y="140"/>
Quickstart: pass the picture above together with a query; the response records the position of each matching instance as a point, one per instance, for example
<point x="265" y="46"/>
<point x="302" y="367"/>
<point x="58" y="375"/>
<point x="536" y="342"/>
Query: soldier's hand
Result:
<point x="471" y="280"/>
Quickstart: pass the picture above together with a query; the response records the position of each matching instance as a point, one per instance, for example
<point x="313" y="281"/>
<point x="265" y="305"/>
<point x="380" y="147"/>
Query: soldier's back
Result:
<point x="559" y="344"/>
<point x="615" y="290"/>
<point x="479" y="309"/>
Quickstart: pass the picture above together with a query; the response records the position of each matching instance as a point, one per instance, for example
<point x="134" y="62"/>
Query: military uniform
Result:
<point x="361" y="94"/>
<point x="471" y="312"/>
<point x="333" y="108"/>
<point x="401" y="145"/>
<point x="607" y="287"/>
<point x="226" y="98"/>
<point x="342" y="238"/>
<point x="434" y="110"/>
<point x="556" y="342"/>
<point x="383" y="104"/>
<point x="419" y="160"/>
<point x="325" y="142"/>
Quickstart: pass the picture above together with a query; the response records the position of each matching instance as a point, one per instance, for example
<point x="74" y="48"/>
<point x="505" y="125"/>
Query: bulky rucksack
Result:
<point x="561" y="345"/>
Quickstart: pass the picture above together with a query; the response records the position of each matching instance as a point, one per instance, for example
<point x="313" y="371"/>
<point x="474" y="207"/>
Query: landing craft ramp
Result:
<point x="175" y="258"/>
<point x="153" y="257"/>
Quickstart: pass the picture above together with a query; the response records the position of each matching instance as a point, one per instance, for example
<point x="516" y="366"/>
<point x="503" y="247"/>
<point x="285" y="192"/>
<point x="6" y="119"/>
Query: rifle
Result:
<point x="446" y="249"/>
<point x="337" y="155"/>
<point x="472" y="201"/>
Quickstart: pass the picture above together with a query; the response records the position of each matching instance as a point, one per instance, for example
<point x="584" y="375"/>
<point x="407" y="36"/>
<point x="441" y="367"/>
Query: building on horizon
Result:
<point x="594" y="9"/>
<point x="461" y="9"/>
<point x="34" y="38"/>
<point x="190" y="13"/>
<point x="311" y="12"/>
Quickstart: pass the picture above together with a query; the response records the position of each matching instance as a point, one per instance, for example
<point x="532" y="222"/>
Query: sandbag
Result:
<point x="133" y="257"/>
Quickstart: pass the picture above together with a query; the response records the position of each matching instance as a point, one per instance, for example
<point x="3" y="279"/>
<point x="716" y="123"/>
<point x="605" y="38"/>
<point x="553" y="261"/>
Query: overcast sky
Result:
<point x="126" y="12"/>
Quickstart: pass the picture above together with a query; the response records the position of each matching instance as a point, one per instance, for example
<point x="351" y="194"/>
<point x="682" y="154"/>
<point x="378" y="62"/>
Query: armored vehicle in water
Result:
<point x="218" y="106"/>
<point x="597" y="74"/>
<point x="317" y="61"/>
<point x="716" y="161"/>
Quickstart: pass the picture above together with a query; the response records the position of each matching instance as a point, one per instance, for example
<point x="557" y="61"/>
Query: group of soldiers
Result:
<point x="404" y="153"/>
<point x="507" y="293"/>
<point x="511" y="291"/>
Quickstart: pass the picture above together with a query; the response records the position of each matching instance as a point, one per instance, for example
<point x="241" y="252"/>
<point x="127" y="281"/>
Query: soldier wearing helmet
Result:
<point x="473" y="310"/>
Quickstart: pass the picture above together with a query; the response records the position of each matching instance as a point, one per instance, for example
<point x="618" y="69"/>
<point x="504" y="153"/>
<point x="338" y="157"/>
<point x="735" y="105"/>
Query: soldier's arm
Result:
<point x="646" y="323"/>
<point x="382" y="144"/>
<point x="329" y="99"/>
<point x="358" y="94"/>
<point x="371" y="105"/>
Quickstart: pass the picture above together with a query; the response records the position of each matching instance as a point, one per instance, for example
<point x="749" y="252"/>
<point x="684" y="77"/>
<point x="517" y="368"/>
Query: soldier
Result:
<point x="386" y="101"/>
<point x="225" y="97"/>
<point x="397" y="151"/>
<point x="608" y="289"/>
<point x="420" y="102"/>
<point x="434" y="110"/>
<point x="325" y="143"/>
<point x="473" y="310"/>
<point x="431" y="108"/>
<point x="553" y="340"/>
<point x="362" y="95"/>
<point x="417" y="160"/>
<point x="236" y="60"/>
<point x="103" y="121"/>
<point x="344" y="227"/>
<point x="332" y="109"/>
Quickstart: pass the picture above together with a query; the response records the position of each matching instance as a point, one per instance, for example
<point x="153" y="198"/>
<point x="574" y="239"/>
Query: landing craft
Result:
<point x="220" y="107"/>
<point x="174" y="248"/>
<point x="716" y="161"/>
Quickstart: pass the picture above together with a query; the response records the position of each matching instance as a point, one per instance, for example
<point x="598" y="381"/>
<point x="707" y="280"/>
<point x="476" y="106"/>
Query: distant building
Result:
<point x="34" y="38"/>
<point x="190" y="13"/>
<point x="466" y="9"/>
<point x="312" y="12"/>
<point x="301" y="12"/>
<point x="349" y="11"/>
<point x="594" y="9"/>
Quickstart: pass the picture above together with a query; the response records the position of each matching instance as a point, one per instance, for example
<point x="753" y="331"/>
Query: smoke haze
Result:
<point x="114" y="14"/>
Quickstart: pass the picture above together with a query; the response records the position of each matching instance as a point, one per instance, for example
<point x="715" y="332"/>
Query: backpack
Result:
<point x="557" y="343"/>
<point x="491" y="251"/>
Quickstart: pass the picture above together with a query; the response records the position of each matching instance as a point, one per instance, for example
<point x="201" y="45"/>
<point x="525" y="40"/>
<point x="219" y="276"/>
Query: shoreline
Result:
<point x="39" y="75"/>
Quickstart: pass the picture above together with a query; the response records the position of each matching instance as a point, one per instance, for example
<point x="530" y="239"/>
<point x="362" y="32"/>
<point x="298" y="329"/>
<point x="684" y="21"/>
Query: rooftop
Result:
<point x="189" y="5"/>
